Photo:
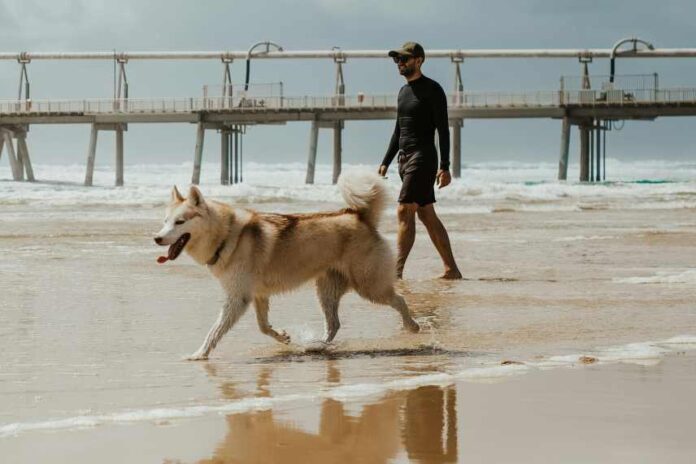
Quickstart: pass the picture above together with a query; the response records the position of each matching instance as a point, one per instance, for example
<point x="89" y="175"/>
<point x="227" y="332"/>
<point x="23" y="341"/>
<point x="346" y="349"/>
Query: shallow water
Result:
<point x="93" y="331"/>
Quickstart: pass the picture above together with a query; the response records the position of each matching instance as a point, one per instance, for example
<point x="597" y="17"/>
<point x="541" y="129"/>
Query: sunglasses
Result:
<point x="401" y="59"/>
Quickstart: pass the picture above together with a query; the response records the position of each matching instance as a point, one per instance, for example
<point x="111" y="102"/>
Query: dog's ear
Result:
<point x="176" y="196"/>
<point x="195" y="197"/>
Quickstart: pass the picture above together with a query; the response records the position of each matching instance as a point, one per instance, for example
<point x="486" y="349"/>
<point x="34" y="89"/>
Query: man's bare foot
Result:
<point x="453" y="274"/>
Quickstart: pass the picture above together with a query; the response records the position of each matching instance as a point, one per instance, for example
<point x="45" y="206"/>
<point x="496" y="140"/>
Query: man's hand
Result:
<point x="382" y="171"/>
<point x="443" y="178"/>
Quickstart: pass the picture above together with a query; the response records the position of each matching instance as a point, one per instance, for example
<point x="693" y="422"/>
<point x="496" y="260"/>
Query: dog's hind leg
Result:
<point x="233" y="309"/>
<point x="390" y="298"/>
<point x="261" y="305"/>
<point x="330" y="288"/>
<point x="397" y="302"/>
<point x="373" y="279"/>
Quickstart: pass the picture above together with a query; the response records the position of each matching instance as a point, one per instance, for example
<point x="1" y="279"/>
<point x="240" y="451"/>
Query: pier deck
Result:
<point x="260" y="110"/>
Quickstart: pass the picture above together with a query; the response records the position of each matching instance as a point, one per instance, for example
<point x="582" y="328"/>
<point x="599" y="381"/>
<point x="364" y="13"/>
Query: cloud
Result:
<point x="411" y="10"/>
<point x="58" y="22"/>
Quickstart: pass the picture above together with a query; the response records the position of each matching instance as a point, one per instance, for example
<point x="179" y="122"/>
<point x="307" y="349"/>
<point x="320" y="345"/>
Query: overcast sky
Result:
<point x="127" y="25"/>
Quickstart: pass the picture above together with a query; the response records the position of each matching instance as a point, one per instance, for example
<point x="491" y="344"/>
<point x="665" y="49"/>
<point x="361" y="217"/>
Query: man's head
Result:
<point x="408" y="58"/>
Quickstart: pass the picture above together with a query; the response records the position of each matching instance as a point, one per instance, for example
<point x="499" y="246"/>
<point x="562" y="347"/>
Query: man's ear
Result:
<point x="195" y="197"/>
<point x="176" y="196"/>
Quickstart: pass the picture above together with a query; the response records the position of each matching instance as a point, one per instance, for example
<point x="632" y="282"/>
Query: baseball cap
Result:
<point x="408" y="49"/>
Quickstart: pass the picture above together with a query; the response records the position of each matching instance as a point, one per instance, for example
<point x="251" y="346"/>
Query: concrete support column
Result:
<point x="14" y="165"/>
<point x="337" y="151"/>
<point x="456" y="156"/>
<point x="598" y="153"/>
<point x="565" y="145"/>
<point x="198" y="155"/>
<point x="19" y="158"/>
<point x="23" y="153"/>
<point x="312" y="158"/>
<point x="119" y="156"/>
<point x="91" y="154"/>
<point x="224" y="157"/>
<point x="584" y="152"/>
<point x="235" y="144"/>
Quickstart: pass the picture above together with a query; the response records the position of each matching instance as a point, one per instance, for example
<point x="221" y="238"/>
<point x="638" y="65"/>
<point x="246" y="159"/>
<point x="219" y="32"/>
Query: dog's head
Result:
<point x="182" y="219"/>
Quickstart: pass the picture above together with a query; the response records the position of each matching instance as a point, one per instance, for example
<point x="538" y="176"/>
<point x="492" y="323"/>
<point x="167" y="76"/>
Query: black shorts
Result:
<point x="418" y="172"/>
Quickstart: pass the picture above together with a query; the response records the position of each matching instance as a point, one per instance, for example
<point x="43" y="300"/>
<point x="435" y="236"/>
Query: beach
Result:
<point x="569" y="339"/>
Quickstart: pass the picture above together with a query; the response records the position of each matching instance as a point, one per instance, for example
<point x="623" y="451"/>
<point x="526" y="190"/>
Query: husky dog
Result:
<point x="255" y="255"/>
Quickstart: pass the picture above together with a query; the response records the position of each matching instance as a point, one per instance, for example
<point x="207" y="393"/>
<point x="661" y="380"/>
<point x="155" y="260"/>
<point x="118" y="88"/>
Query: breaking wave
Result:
<point x="484" y="187"/>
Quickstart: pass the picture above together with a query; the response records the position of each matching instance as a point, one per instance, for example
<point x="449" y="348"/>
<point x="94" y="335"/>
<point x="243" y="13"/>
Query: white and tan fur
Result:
<point x="255" y="255"/>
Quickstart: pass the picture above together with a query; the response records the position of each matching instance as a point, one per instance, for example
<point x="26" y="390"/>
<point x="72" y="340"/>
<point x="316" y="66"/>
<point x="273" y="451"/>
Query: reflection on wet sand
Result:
<point x="419" y="424"/>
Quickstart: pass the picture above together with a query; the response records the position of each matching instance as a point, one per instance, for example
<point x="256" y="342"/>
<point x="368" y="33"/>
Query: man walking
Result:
<point x="422" y="108"/>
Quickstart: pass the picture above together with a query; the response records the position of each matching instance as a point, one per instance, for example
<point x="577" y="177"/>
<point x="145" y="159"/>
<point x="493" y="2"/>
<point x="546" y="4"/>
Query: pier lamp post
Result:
<point x="635" y="41"/>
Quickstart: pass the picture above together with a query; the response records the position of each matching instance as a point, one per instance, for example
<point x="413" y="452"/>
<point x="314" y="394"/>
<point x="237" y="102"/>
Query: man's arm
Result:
<point x="393" y="146"/>
<point x="442" y="125"/>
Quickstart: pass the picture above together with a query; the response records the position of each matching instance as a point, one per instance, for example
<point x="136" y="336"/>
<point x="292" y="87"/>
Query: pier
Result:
<point x="592" y="103"/>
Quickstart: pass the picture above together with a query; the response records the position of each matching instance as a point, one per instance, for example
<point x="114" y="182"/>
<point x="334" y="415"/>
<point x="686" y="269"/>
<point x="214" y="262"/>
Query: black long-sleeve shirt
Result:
<point x="422" y="108"/>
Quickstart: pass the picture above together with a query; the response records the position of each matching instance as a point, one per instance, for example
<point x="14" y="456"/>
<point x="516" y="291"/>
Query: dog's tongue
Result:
<point x="171" y="254"/>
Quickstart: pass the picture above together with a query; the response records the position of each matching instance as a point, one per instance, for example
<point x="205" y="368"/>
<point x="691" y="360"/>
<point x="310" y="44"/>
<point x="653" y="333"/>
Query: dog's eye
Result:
<point x="179" y="222"/>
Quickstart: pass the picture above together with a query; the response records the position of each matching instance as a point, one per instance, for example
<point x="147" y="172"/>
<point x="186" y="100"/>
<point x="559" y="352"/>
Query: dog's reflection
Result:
<point x="419" y="424"/>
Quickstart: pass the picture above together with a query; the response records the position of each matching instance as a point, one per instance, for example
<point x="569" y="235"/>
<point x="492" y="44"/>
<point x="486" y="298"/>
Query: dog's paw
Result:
<point x="283" y="337"/>
<point x="412" y="326"/>
<point x="197" y="357"/>
<point x="317" y="346"/>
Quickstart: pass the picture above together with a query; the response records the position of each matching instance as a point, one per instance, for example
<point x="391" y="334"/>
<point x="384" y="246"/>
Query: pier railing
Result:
<point x="239" y="103"/>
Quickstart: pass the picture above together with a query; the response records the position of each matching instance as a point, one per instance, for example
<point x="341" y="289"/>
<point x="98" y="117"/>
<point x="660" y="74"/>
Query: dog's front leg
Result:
<point x="264" y="326"/>
<point x="233" y="309"/>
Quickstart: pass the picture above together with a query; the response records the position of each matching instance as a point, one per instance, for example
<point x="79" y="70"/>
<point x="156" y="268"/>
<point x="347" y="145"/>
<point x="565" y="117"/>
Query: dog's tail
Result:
<point x="364" y="192"/>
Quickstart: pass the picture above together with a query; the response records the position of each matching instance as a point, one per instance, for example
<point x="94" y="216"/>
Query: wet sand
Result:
<point x="93" y="333"/>
<point x="608" y="413"/>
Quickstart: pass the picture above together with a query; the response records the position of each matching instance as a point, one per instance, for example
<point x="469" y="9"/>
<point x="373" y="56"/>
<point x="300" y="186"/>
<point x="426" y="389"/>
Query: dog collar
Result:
<point x="216" y="256"/>
<point x="212" y="261"/>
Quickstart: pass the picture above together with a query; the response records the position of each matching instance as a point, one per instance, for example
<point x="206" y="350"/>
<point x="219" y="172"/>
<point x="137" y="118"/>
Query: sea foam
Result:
<point x="483" y="187"/>
<point x="662" y="277"/>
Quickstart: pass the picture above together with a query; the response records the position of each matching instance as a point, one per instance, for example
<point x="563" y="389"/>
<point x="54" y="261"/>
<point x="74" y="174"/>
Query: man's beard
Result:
<point x="407" y="71"/>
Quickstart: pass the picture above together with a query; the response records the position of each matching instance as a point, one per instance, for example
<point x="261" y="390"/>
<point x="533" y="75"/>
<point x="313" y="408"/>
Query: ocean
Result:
<point x="484" y="187"/>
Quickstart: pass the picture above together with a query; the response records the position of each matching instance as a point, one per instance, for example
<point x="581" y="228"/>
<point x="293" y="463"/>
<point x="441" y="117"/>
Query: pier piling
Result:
<point x="598" y="152"/>
<point x="584" y="152"/>
<point x="235" y="154"/>
<point x="338" y="127"/>
<point x="198" y="155"/>
<point x="20" y="163"/>
<point x="565" y="145"/>
<point x="19" y="158"/>
<point x="11" y="155"/>
<point x="91" y="154"/>
<point x="119" y="156"/>
<point x="457" y="147"/>
<point x="312" y="158"/>
<point x="224" y="157"/>
<point x="23" y="152"/>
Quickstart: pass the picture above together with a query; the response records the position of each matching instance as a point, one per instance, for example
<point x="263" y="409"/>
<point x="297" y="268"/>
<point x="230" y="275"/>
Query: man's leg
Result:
<point x="439" y="237"/>
<point x="406" y="214"/>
